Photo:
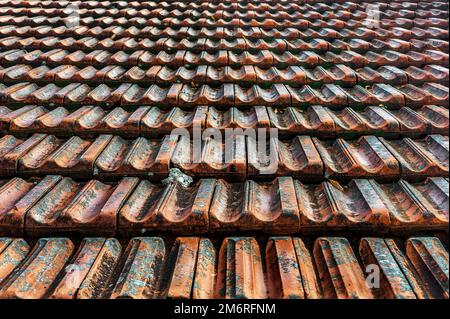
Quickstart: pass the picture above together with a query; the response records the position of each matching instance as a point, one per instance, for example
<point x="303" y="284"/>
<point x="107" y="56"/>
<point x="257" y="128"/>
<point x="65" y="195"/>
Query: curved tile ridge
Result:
<point x="297" y="157"/>
<point x="212" y="32"/>
<point x="256" y="117"/>
<point x="400" y="280"/>
<point x="226" y="95"/>
<point x="45" y="261"/>
<point x="415" y="206"/>
<point x="141" y="266"/>
<point x="342" y="276"/>
<point x="89" y="208"/>
<point x="295" y="76"/>
<point x="105" y="156"/>
<point x="350" y="123"/>
<point x="429" y="118"/>
<point x="419" y="158"/>
<point x="257" y="6"/>
<point x="238" y="44"/>
<point x="266" y="21"/>
<point x="57" y="204"/>
<point x="222" y="58"/>
<point x="234" y="156"/>
<point x="291" y="271"/>
<point x="211" y="156"/>
<point x="237" y="267"/>
<point x="430" y="260"/>
<point x="365" y="157"/>
<point x="190" y="269"/>
<point x="89" y="270"/>
<point x="172" y="208"/>
<point x="12" y="252"/>
<point x="251" y="206"/>
<point x="229" y="10"/>
<point x="355" y="207"/>
<point x="315" y="120"/>
<point x="137" y="157"/>
<point x="17" y="198"/>
<point x="240" y="270"/>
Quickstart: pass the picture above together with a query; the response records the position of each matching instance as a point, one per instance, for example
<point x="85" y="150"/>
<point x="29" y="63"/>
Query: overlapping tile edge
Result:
<point x="149" y="121"/>
<point x="306" y="158"/>
<point x="59" y="205"/>
<point x="239" y="267"/>
<point x="226" y="95"/>
<point x="362" y="116"/>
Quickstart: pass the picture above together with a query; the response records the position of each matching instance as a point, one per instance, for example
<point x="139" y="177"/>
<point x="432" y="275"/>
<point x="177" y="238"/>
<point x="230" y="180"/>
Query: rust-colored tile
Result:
<point x="392" y="283"/>
<point x="17" y="197"/>
<point x="12" y="149"/>
<point x="120" y="122"/>
<point x="270" y="207"/>
<point x="430" y="260"/>
<point x="33" y="278"/>
<point x="341" y="275"/>
<point x="365" y="158"/>
<point x="192" y="268"/>
<point x="414" y="207"/>
<point x="73" y="207"/>
<point x="308" y="270"/>
<point x="283" y="272"/>
<point x="314" y="121"/>
<point x="157" y="121"/>
<point x="355" y="206"/>
<point x="74" y="156"/>
<point x="179" y="277"/>
<point x="88" y="274"/>
<point x="373" y="120"/>
<point x="50" y="122"/>
<point x="256" y="117"/>
<point x="297" y="157"/>
<point x="407" y="268"/>
<point x="277" y="94"/>
<point x="211" y="156"/>
<point x="206" y="270"/>
<point x="141" y="265"/>
<point x="172" y="208"/>
<point x="139" y="157"/>
<point x="420" y="158"/>
<point x="386" y="74"/>
<point x="437" y="117"/>
<point x="411" y="123"/>
<point x="20" y="120"/>
<point x="12" y="253"/>
<point x="240" y="270"/>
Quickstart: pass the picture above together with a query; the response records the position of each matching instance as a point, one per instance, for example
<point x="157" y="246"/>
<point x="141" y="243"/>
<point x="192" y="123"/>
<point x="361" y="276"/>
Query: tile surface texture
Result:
<point x="224" y="149"/>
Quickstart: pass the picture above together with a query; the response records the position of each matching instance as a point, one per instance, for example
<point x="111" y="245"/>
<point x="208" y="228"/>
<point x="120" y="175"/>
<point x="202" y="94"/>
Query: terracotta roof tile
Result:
<point x="352" y="159"/>
<point x="225" y="95"/>
<point x="426" y="157"/>
<point x="263" y="58"/>
<point x="57" y="204"/>
<point x="108" y="156"/>
<point x="239" y="267"/>
<point x="88" y="105"/>
<point x="88" y="121"/>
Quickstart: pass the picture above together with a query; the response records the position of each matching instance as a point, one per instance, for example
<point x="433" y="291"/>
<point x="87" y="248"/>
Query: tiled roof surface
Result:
<point x="315" y="120"/>
<point x="226" y="95"/>
<point x="237" y="267"/>
<point x="92" y="91"/>
<point x="309" y="159"/>
<point x="56" y="204"/>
